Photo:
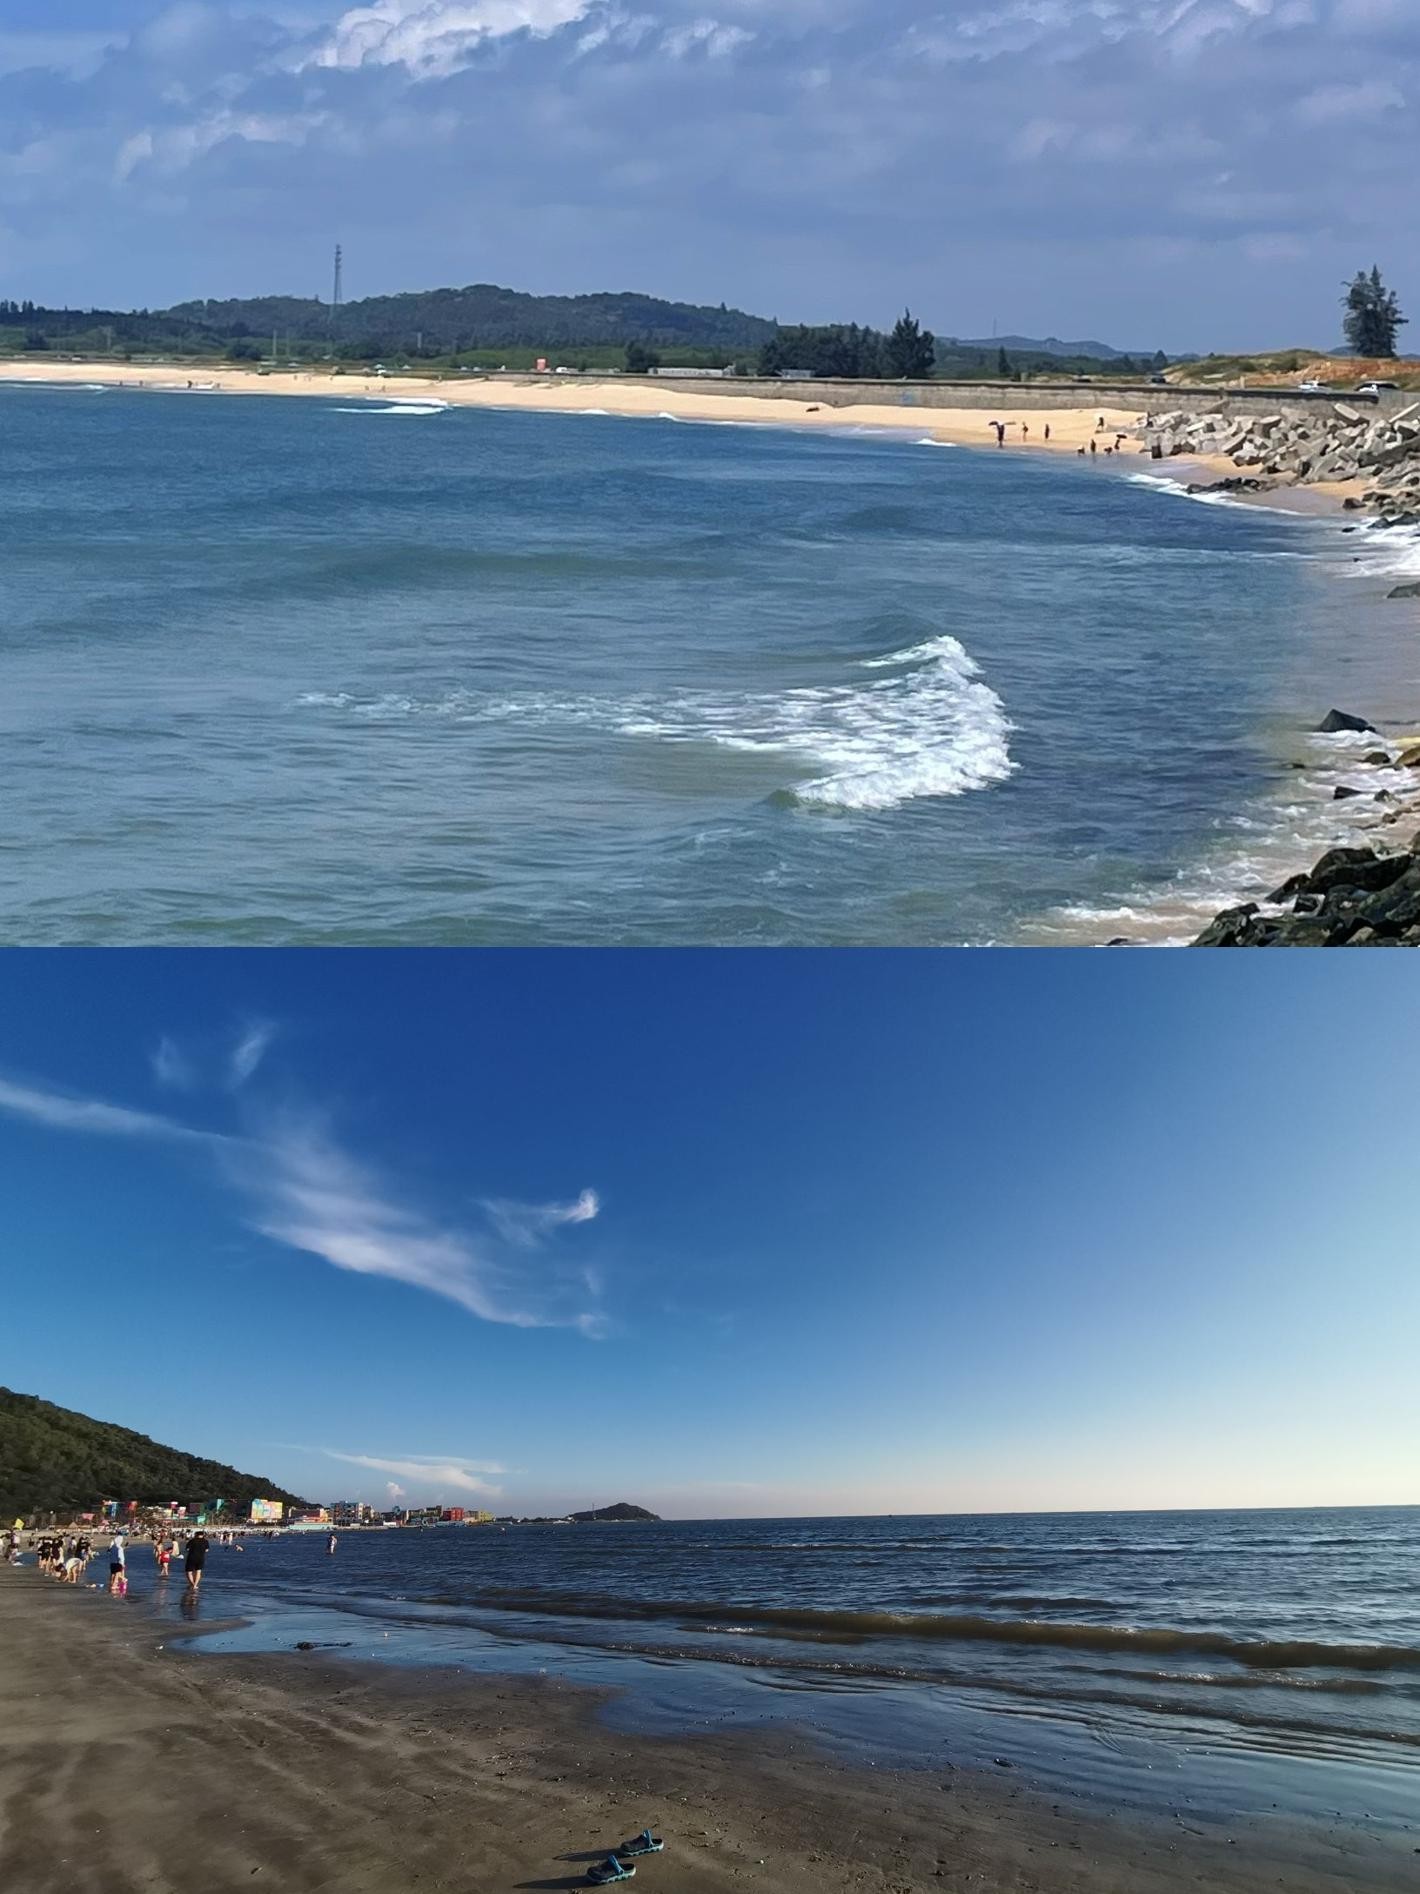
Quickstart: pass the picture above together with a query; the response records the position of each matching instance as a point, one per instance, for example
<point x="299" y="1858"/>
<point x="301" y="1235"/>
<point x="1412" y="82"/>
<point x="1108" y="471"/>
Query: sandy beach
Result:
<point x="128" y="1764"/>
<point x="1070" y="429"/>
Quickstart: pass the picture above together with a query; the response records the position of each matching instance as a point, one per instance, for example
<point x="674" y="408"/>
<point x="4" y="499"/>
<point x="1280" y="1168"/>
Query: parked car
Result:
<point x="1311" y="388"/>
<point x="1378" y="388"/>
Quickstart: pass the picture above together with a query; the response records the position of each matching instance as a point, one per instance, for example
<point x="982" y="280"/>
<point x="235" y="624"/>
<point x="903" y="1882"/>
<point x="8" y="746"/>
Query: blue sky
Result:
<point x="724" y="1233"/>
<point x="1175" y="173"/>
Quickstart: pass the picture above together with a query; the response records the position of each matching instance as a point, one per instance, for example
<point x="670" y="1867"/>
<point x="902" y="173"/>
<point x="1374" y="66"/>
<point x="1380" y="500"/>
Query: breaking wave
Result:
<point x="917" y="722"/>
<point x="924" y="724"/>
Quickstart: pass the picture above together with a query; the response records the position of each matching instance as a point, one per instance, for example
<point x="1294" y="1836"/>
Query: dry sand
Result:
<point x="1070" y="429"/>
<point x="129" y="1766"/>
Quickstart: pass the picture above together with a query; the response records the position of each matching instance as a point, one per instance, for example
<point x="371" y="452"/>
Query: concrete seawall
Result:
<point x="1001" y="397"/>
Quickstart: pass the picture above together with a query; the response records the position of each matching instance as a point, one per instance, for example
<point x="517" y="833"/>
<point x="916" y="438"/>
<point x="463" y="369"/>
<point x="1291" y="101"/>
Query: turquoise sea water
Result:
<point x="316" y="671"/>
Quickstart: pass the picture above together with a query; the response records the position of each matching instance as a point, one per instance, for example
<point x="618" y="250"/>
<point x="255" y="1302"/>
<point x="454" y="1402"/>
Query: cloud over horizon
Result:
<point x="1183" y="172"/>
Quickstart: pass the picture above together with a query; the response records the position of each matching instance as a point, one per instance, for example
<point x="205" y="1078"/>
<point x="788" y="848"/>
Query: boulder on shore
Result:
<point x="1352" y="897"/>
<point x="1335" y="720"/>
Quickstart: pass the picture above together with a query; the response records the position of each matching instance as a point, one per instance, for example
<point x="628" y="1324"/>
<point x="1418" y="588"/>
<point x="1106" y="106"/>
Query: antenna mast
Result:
<point x="336" y="291"/>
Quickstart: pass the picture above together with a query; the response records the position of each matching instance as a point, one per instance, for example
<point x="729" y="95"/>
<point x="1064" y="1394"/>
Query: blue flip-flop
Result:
<point x="602" y="1873"/>
<point x="644" y="1844"/>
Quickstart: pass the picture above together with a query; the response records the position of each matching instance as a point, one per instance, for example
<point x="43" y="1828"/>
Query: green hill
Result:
<point x="54" y="1460"/>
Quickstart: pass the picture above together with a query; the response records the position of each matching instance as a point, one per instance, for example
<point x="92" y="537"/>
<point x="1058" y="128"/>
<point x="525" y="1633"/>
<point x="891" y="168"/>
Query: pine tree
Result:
<point x="1373" y="317"/>
<point x="910" y="352"/>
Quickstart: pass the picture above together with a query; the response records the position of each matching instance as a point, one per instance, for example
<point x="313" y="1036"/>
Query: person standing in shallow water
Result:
<point x="196" y="1559"/>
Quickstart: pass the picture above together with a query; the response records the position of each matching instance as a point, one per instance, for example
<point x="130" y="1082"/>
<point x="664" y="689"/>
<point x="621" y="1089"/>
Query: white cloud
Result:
<point x="61" y="1113"/>
<point x="249" y="1051"/>
<point x="308" y="1194"/>
<point x="526" y="1224"/>
<point x="438" y="1472"/>
<point x="433" y="38"/>
<point x="711" y="37"/>
<point x="173" y="148"/>
<point x="314" y="1197"/>
<point x="171" y="1065"/>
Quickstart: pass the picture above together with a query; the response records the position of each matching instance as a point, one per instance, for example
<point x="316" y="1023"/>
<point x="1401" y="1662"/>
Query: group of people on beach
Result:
<point x="65" y="1555"/>
<point x="999" y="428"/>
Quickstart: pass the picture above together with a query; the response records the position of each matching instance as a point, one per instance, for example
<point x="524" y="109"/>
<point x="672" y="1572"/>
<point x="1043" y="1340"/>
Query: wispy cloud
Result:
<point x="62" y="1112"/>
<point x="171" y="1065"/>
<point x="249" y="1052"/>
<point x="313" y="1196"/>
<point x="527" y="1224"/>
<point x="439" y="1472"/>
<point x="303" y="1190"/>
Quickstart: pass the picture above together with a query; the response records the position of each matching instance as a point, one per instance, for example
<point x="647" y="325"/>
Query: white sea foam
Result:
<point x="925" y="725"/>
<point x="397" y="407"/>
<point x="1162" y="483"/>
<point x="918" y="722"/>
<point x="1387" y="551"/>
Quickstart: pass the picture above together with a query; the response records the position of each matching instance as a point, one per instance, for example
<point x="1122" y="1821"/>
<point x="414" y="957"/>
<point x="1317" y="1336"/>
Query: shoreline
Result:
<point x="629" y="397"/>
<point x="298" y="1767"/>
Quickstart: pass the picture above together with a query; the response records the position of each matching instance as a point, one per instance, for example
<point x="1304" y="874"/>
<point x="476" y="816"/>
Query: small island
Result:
<point x="620" y="1513"/>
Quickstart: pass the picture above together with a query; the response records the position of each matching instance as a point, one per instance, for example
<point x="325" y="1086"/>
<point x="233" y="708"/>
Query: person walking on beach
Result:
<point x="117" y="1566"/>
<point x="162" y="1552"/>
<point x="1094" y="445"/>
<point x="1000" y="427"/>
<point x="196" y="1559"/>
<point x="1047" y="430"/>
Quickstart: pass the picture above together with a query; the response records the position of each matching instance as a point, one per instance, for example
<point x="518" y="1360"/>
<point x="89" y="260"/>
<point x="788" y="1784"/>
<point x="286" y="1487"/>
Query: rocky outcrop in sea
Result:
<point x="1337" y="442"/>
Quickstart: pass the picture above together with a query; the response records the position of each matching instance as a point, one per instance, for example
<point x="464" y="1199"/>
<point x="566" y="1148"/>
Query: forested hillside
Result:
<point x="54" y="1460"/>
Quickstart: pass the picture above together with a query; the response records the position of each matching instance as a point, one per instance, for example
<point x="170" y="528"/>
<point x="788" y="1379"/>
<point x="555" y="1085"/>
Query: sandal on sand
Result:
<point x="609" y="1870"/>
<point x="645" y="1844"/>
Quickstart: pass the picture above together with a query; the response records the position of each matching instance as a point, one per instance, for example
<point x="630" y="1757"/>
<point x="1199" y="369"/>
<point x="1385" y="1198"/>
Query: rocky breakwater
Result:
<point x="1360" y="896"/>
<point x="1334" y="442"/>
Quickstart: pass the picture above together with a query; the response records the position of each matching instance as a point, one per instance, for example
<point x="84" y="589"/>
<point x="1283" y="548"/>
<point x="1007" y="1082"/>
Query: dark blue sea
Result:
<point x="301" y="670"/>
<point x="1228" y="1659"/>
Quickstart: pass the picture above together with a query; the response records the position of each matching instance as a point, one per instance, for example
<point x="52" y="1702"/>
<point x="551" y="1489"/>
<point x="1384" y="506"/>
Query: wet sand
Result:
<point x="129" y="1765"/>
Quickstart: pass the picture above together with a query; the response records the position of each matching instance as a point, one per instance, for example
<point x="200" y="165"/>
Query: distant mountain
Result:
<point x="54" y="1460"/>
<point x="1051" y="345"/>
<point x="482" y="315"/>
<point x="445" y="323"/>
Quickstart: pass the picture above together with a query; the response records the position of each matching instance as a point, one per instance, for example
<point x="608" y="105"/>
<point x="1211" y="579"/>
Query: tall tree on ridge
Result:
<point x="1373" y="317"/>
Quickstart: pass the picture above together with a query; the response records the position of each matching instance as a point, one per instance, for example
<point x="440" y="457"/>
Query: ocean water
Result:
<point x="290" y="671"/>
<point x="1128" y="1655"/>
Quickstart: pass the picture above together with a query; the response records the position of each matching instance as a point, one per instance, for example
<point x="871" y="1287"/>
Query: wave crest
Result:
<point x="925" y="725"/>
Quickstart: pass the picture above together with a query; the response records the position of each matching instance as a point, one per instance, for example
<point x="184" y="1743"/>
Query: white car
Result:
<point x="1378" y="388"/>
<point x="1311" y="387"/>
